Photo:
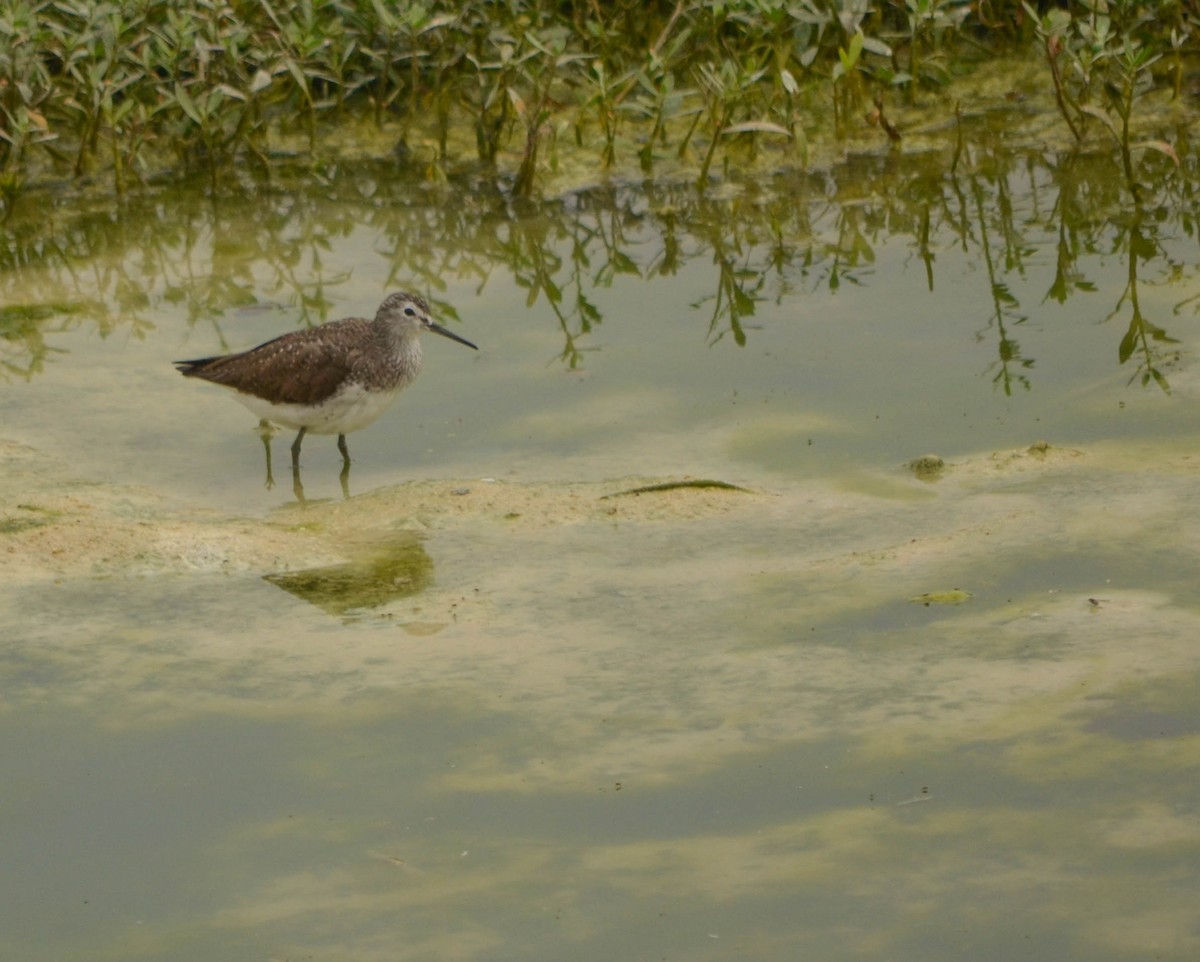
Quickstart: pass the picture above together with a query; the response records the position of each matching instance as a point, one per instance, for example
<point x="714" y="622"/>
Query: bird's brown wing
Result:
<point x="303" y="367"/>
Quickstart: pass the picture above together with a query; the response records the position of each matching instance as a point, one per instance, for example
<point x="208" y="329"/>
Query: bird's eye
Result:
<point x="410" y="312"/>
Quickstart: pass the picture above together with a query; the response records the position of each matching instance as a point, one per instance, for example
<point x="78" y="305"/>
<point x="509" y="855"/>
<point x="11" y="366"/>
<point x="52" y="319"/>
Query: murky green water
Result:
<point x="495" y="716"/>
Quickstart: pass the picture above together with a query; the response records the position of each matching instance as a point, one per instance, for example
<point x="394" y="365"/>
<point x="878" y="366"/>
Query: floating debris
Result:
<point x="955" y="596"/>
<point x="928" y="467"/>
<point x="674" y="485"/>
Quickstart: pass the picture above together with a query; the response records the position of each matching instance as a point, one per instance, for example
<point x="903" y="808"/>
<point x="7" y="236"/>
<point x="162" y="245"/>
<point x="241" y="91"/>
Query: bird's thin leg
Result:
<point x="344" y="477"/>
<point x="296" y="449"/>
<point x="297" y="485"/>
<point x="265" y="432"/>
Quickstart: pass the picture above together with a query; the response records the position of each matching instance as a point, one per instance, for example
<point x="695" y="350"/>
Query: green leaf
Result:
<point x="743" y="303"/>
<point x="298" y="76"/>
<point x="261" y="81"/>
<point x="756" y="126"/>
<point x="1161" y="146"/>
<point x="187" y="105"/>
<point x="854" y="50"/>
<point x="871" y="45"/>
<point x="1102" y="116"/>
<point x="623" y="264"/>
<point x="1128" y="343"/>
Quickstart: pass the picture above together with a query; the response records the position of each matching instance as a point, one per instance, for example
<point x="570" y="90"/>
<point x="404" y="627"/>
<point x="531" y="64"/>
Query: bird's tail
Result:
<point x="194" y="367"/>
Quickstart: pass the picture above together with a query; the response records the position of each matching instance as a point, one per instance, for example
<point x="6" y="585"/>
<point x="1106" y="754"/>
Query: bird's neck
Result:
<point x="402" y="349"/>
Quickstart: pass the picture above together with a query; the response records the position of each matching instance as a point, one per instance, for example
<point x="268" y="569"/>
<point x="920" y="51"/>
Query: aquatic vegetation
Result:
<point x="477" y="103"/>
<point x="1100" y="62"/>
<point x="118" y="92"/>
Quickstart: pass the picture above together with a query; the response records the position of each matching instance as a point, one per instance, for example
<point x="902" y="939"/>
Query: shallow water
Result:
<point x="480" y="711"/>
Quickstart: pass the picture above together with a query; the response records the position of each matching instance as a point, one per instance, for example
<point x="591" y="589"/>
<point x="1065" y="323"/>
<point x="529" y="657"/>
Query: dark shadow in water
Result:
<point x="398" y="570"/>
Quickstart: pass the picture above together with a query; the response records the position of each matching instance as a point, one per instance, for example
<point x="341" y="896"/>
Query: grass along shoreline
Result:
<point x="121" y="92"/>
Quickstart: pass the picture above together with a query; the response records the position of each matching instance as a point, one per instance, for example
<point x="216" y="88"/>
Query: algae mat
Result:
<point x="627" y="716"/>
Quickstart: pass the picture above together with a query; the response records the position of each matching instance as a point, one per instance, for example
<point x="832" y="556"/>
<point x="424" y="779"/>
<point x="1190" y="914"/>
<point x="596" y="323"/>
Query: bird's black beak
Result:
<point x="446" y="332"/>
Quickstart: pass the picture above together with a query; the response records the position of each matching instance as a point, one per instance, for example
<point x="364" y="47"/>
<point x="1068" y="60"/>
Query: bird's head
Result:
<point x="410" y="314"/>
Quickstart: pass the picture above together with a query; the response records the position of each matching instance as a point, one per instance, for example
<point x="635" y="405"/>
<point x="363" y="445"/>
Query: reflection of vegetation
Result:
<point x="1142" y="335"/>
<point x="1100" y="57"/>
<point x="1004" y="306"/>
<point x="1009" y="212"/>
<point x="23" y="330"/>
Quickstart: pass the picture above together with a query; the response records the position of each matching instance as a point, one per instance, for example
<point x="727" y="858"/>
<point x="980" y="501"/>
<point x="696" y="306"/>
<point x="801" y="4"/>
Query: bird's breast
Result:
<point x="352" y="407"/>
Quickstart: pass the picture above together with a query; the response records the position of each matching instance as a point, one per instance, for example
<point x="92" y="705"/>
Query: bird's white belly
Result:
<point x="348" y="410"/>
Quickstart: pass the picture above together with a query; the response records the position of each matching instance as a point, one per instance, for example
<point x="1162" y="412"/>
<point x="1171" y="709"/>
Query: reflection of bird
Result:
<point x="331" y="379"/>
